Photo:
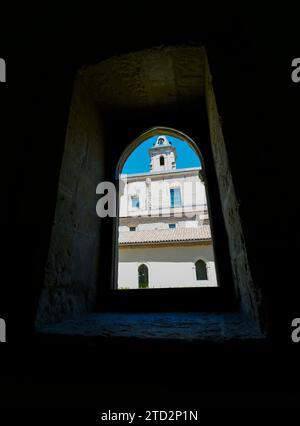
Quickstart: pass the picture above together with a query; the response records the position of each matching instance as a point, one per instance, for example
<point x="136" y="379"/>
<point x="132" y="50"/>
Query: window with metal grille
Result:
<point x="135" y="202"/>
<point x="175" y="197"/>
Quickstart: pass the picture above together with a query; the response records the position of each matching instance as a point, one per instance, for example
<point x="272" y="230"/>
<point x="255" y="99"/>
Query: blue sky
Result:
<point x="138" y="161"/>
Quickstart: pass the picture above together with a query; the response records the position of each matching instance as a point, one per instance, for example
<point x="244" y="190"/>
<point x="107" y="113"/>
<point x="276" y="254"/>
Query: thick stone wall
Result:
<point x="71" y="270"/>
<point x="153" y="78"/>
<point x="247" y="293"/>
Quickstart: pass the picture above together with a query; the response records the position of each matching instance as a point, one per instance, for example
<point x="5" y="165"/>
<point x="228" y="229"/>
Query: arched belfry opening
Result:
<point x="113" y="102"/>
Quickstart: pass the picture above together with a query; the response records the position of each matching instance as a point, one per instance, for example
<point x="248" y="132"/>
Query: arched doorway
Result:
<point x="143" y="276"/>
<point x="201" y="270"/>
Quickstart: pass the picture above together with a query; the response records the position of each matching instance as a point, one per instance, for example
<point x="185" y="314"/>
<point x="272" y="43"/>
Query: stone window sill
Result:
<point x="210" y="327"/>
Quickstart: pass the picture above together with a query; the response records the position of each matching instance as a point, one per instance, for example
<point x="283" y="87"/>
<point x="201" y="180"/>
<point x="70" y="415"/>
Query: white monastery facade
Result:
<point x="164" y="231"/>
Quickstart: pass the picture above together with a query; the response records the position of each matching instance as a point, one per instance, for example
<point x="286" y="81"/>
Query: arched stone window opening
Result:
<point x="162" y="160"/>
<point x="106" y="114"/>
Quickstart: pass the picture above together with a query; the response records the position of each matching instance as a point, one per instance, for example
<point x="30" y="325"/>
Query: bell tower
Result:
<point x="162" y="155"/>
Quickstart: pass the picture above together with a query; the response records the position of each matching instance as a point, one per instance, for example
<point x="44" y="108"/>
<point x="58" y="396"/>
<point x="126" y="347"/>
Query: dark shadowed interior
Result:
<point x="93" y="82"/>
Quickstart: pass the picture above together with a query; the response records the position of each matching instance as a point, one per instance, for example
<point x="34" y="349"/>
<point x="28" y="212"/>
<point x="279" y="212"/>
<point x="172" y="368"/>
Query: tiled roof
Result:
<point x="158" y="236"/>
<point x="176" y="172"/>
